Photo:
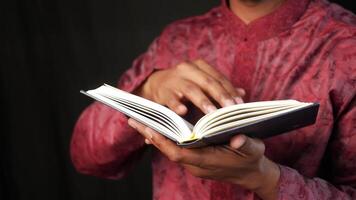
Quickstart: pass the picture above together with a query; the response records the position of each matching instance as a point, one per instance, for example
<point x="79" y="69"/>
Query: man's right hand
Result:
<point x="196" y="82"/>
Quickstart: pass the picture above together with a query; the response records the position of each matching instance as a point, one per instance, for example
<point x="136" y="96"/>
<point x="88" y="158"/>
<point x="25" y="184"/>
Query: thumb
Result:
<point x="247" y="145"/>
<point x="238" y="141"/>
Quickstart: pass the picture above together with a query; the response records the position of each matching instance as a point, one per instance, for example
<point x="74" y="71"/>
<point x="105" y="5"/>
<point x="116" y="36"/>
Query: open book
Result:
<point x="257" y="119"/>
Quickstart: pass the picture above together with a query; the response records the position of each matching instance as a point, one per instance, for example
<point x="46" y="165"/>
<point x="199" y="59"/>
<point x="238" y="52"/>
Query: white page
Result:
<point x="210" y="121"/>
<point x="246" y="121"/>
<point x="253" y="105"/>
<point x="240" y="116"/>
<point x="140" y="118"/>
<point x="181" y="123"/>
<point x="151" y="116"/>
<point x="151" y="113"/>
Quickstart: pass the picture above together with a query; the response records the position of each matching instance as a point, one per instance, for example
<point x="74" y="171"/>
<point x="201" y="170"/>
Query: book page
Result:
<point x="140" y="118"/>
<point x="147" y="110"/>
<point x="240" y="114"/>
<point x="158" y="114"/>
<point x="253" y="117"/>
<point x="245" y="107"/>
<point x="150" y="115"/>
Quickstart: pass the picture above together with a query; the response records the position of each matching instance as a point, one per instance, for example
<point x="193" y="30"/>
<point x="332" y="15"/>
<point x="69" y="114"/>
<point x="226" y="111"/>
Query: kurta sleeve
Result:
<point x="102" y="143"/>
<point x="341" y="150"/>
<point x="342" y="185"/>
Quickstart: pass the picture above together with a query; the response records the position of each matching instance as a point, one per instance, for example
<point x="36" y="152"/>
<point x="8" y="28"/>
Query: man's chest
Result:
<point x="282" y="70"/>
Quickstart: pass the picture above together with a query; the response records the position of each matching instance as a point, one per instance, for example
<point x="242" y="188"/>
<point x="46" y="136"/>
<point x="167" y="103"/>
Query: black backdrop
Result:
<point x="49" y="51"/>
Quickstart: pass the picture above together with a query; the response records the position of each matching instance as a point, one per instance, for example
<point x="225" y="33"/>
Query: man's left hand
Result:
<point x="242" y="162"/>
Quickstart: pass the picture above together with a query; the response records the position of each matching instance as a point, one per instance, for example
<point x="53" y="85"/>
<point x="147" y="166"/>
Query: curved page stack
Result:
<point x="261" y="119"/>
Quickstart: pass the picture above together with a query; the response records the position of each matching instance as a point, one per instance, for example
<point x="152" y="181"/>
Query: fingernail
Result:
<point x="149" y="133"/>
<point x="147" y="141"/>
<point x="228" y="102"/>
<point x="241" y="91"/>
<point x="238" y="100"/>
<point x="182" y="109"/>
<point x="237" y="141"/>
<point x="209" y="108"/>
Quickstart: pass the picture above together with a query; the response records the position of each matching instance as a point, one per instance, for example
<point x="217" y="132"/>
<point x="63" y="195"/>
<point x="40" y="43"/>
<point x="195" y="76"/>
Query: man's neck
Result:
<point x="249" y="10"/>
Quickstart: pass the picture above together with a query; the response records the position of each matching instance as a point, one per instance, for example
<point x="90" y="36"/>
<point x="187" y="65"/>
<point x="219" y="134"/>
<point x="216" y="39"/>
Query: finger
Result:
<point x="235" y="93"/>
<point x="198" y="171"/>
<point x="193" y="93"/>
<point x="147" y="141"/>
<point x="210" y="157"/>
<point x="247" y="145"/>
<point x="205" y="158"/>
<point x="196" y="157"/>
<point x="207" y="83"/>
<point x="163" y="144"/>
<point x="174" y="103"/>
<point x="166" y="146"/>
<point x="238" y="141"/>
<point x="241" y="92"/>
<point x="140" y="128"/>
<point x="235" y="151"/>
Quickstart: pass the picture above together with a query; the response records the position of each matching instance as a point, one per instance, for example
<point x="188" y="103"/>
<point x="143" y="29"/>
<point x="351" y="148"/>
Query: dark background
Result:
<point x="50" y="49"/>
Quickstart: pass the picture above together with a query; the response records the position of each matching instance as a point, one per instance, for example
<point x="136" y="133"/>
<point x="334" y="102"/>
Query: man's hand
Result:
<point x="242" y="162"/>
<point x="194" y="81"/>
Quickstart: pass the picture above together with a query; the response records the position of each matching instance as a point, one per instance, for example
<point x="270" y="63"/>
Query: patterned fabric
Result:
<point x="305" y="50"/>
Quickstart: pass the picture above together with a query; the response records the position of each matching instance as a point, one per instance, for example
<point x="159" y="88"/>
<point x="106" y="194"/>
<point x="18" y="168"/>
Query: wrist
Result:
<point x="145" y="88"/>
<point x="269" y="175"/>
<point x="142" y="91"/>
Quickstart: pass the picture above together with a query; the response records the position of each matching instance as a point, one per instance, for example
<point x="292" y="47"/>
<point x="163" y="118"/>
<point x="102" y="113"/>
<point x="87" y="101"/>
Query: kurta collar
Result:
<point x="267" y="26"/>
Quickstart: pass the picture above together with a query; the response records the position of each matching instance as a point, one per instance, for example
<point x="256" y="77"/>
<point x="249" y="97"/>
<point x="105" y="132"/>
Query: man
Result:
<point x="273" y="49"/>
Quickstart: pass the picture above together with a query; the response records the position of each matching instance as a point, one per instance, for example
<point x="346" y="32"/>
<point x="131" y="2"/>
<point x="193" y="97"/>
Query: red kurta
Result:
<point x="305" y="50"/>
